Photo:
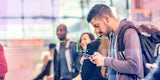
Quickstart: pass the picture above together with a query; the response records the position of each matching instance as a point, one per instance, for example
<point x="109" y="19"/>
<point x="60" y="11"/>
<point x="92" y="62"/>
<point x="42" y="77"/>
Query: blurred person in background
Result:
<point x="52" y="50"/>
<point x="83" y="41"/>
<point x="43" y="69"/>
<point x="155" y="72"/>
<point x="104" y="49"/>
<point x="89" y="70"/>
<point x="48" y="63"/>
<point x="149" y="30"/>
<point x="3" y="64"/>
<point x="66" y="60"/>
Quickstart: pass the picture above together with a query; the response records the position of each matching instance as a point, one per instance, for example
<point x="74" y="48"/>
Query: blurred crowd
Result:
<point x="117" y="52"/>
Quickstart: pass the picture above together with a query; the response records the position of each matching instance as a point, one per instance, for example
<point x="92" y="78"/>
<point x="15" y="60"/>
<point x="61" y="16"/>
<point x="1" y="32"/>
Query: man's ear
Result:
<point x="106" y="18"/>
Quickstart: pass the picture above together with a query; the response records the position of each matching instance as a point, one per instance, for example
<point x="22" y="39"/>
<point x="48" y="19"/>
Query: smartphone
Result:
<point x="87" y="56"/>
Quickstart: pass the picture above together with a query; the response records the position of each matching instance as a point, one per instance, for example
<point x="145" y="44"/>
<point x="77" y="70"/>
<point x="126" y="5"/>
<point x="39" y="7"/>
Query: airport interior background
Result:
<point x="28" y="26"/>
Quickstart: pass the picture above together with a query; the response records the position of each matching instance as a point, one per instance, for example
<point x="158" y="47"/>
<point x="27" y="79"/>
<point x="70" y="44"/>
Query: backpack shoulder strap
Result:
<point x="157" y="50"/>
<point x="58" y="47"/>
<point x="121" y="36"/>
<point x="69" y="56"/>
<point x="68" y="44"/>
<point x="120" y="39"/>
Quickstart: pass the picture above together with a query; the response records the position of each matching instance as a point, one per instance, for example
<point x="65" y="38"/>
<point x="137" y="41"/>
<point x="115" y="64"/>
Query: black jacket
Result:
<point x="89" y="70"/>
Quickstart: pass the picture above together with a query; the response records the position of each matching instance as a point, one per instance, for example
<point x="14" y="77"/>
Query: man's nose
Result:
<point x="82" y="42"/>
<point x="58" y="31"/>
<point x="96" y="30"/>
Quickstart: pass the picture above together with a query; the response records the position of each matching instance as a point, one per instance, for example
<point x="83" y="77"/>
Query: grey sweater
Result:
<point x="133" y="54"/>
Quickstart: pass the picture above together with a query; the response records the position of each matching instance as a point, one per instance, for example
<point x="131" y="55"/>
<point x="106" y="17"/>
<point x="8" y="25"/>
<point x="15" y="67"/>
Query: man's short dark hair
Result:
<point x="51" y="46"/>
<point x="65" y="27"/>
<point x="98" y="11"/>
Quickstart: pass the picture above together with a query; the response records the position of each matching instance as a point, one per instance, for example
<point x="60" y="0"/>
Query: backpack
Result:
<point x="148" y="45"/>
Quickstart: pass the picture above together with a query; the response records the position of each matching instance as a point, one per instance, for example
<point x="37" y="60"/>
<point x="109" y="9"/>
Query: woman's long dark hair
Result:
<point x="104" y="50"/>
<point x="148" y="28"/>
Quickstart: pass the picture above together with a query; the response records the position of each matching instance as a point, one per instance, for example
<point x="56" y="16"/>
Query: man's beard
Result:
<point x="104" y="34"/>
<point x="62" y="38"/>
<point x="108" y="30"/>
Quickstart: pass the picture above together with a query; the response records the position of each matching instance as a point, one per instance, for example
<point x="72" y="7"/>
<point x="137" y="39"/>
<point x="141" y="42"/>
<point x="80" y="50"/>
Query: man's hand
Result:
<point x="97" y="59"/>
<point x="51" y="78"/>
<point x="151" y="66"/>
